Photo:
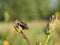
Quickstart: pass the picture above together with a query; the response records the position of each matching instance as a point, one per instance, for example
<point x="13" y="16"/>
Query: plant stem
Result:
<point x="25" y="37"/>
<point x="47" y="39"/>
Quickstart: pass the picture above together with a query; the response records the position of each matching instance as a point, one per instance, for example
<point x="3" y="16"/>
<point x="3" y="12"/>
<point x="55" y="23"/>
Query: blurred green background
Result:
<point x="27" y="9"/>
<point x="35" y="13"/>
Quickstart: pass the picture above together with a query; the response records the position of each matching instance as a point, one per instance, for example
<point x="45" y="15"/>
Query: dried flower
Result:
<point x="19" y="27"/>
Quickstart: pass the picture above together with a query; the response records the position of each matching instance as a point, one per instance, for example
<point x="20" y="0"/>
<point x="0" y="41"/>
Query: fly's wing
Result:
<point x="24" y="25"/>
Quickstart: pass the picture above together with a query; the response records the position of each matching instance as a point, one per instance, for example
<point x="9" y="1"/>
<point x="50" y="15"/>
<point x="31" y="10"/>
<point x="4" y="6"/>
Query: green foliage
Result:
<point x="26" y="9"/>
<point x="1" y="16"/>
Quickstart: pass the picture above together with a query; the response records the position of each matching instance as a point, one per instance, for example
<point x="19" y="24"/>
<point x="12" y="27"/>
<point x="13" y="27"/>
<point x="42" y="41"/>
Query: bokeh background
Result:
<point x="36" y="13"/>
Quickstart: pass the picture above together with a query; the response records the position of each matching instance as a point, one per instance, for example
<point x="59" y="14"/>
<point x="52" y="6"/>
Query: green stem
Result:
<point x="47" y="39"/>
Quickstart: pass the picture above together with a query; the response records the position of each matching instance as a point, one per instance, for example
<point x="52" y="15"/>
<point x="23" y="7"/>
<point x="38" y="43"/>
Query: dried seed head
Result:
<point x="22" y="24"/>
